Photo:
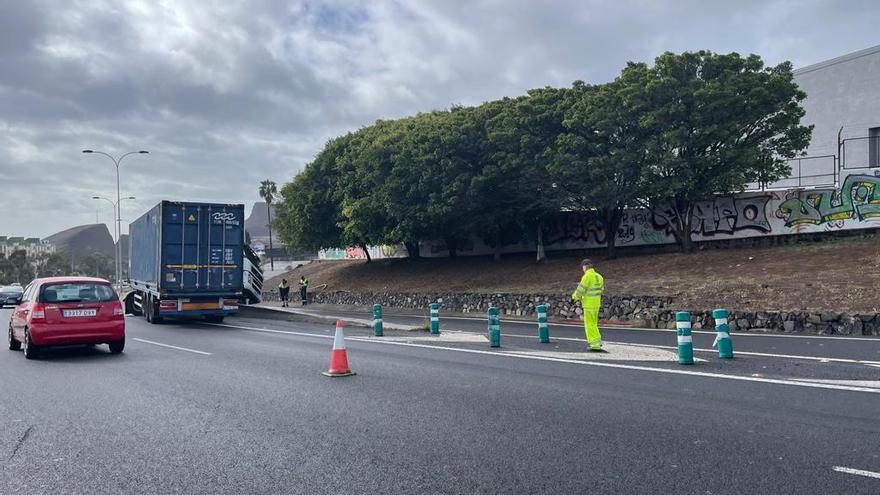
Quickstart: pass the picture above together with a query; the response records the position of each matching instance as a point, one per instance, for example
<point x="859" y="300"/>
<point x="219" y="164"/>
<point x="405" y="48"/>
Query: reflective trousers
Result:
<point x="591" y="325"/>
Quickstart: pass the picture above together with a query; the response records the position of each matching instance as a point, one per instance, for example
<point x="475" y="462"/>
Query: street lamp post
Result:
<point x="116" y="231"/>
<point x="117" y="162"/>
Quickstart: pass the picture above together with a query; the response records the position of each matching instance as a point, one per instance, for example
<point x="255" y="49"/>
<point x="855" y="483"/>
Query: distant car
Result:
<point x="10" y="295"/>
<point x="67" y="311"/>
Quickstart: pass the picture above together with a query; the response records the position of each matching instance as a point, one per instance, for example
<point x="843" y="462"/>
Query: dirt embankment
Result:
<point x="839" y="274"/>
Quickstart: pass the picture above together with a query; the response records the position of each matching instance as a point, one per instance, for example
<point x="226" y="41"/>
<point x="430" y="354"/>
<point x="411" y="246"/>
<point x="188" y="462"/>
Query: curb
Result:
<point x="291" y="314"/>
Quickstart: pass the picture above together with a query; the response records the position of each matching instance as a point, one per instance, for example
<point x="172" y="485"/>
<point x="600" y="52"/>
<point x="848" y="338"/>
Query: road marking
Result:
<point x="642" y="329"/>
<point x="856" y="383"/>
<point x="173" y="347"/>
<point x="858" y="472"/>
<point x="270" y="330"/>
<point x="706" y="374"/>
<point x="744" y="353"/>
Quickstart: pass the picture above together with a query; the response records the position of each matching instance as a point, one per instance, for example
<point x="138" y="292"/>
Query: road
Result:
<point x="242" y="408"/>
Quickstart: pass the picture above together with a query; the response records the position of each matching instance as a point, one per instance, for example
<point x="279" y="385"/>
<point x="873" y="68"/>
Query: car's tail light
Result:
<point x="38" y="312"/>
<point x="117" y="310"/>
<point x="169" y="304"/>
<point x="230" y="303"/>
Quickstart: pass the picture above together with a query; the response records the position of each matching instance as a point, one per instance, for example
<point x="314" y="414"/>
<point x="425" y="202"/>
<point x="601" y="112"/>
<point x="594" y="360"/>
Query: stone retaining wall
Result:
<point x="641" y="311"/>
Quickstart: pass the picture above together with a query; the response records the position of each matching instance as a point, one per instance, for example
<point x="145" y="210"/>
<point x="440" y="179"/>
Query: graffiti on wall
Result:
<point x="855" y="205"/>
<point x="575" y="227"/>
<point x="857" y="199"/>
<point x="633" y="223"/>
<point x="722" y="215"/>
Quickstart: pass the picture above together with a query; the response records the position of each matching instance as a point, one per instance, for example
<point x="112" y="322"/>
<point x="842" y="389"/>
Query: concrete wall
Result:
<point x="357" y="253"/>
<point x="853" y="206"/>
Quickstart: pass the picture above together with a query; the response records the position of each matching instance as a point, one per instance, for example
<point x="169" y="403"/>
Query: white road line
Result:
<point x="269" y="330"/>
<point x="858" y="472"/>
<point x="744" y="353"/>
<point x="641" y="329"/>
<point x="173" y="347"/>
<point x="776" y="381"/>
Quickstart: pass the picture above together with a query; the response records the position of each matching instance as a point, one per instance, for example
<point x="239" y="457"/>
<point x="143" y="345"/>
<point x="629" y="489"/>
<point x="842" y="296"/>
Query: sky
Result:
<point x="224" y="94"/>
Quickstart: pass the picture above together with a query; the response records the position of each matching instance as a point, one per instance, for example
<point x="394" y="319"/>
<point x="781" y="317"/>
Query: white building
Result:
<point x="32" y="246"/>
<point x="843" y="103"/>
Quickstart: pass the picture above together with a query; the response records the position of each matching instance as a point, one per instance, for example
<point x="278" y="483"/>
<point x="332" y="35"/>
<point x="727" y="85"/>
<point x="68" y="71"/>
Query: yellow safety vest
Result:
<point x="590" y="289"/>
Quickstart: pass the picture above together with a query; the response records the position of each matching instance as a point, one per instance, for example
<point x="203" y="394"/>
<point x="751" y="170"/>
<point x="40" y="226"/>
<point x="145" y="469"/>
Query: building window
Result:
<point x="874" y="147"/>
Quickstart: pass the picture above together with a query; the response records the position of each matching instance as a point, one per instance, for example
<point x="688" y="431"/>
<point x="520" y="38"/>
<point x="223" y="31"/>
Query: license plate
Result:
<point x="77" y="313"/>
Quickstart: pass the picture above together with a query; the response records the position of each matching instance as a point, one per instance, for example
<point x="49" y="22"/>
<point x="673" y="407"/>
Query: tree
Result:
<point x="96" y="265"/>
<point x="16" y="268"/>
<point x="6" y="269"/>
<point x="516" y="190"/>
<point x="268" y="190"/>
<point x="446" y="161"/>
<point x="426" y="189"/>
<point x="716" y="123"/>
<point x="308" y="216"/>
<point x="363" y="194"/>
<point x="601" y="156"/>
<point x="51" y="264"/>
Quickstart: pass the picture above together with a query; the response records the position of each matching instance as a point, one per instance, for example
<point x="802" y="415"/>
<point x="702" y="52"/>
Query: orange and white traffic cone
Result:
<point x="338" y="357"/>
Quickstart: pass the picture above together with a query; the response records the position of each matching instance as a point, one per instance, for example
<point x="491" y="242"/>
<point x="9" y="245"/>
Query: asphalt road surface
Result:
<point x="242" y="408"/>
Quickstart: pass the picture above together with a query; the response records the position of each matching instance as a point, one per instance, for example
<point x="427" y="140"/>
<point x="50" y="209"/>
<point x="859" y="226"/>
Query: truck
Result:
<point x="186" y="260"/>
<point x="253" y="277"/>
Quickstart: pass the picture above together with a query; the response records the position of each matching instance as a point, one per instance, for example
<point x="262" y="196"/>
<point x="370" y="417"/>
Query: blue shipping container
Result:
<point x="182" y="249"/>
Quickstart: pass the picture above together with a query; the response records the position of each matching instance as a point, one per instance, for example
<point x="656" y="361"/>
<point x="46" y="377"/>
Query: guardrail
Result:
<point x="860" y="153"/>
<point x="807" y="171"/>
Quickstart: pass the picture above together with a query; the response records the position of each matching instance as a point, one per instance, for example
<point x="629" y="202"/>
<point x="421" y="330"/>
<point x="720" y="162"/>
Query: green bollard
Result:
<point x="722" y="335"/>
<point x="543" y="331"/>
<point x="494" y="328"/>
<point x="685" y="341"/>
<point x="435" y="318"/>
<point x="377" y="320"/>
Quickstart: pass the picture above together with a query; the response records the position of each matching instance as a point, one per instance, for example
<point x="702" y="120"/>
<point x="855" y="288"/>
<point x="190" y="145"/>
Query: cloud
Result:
<point x="227" y="93"/>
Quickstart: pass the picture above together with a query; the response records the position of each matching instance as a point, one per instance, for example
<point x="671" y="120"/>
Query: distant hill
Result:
<point x="83" y="240"/>
<point x="258" y="221"/>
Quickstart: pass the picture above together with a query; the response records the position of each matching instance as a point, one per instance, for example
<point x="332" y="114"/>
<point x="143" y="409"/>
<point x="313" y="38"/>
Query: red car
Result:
<point x="67" y="311"/>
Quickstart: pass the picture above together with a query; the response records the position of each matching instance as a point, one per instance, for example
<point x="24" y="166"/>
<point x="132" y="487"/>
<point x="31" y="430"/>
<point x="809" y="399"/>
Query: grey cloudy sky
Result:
<point x="226" y="93"/>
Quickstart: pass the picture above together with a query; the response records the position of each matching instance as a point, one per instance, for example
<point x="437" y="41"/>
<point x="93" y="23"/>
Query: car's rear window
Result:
<point x="11" y="290"/>
<point x="77" y="292"/>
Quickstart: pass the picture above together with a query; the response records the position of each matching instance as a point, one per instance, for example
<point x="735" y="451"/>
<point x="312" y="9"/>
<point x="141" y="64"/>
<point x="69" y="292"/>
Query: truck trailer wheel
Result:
<point x="152" y="310"/>
<point x="146" y="305"/>
<point x="130" y="307"/>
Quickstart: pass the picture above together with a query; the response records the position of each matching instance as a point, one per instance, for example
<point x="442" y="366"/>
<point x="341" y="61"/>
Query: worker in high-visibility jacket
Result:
<point x="589" y="293"/>
<point x="303" y="289"/>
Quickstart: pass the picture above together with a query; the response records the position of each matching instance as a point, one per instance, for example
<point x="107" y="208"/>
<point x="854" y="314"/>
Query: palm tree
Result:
<point x="268" y="192"/>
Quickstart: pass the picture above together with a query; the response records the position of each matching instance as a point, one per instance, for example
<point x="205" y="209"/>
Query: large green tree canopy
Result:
<point x="663" y="136"/>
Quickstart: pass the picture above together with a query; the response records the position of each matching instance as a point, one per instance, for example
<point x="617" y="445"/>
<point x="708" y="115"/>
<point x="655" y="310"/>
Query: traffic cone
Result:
<point x="338" y="357"/>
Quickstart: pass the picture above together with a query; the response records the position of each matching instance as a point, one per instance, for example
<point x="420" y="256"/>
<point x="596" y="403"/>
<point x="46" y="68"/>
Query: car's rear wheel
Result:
<point x="14" y="345"/>
<point x="31" y="351"/>
<point x="117" y="346"/>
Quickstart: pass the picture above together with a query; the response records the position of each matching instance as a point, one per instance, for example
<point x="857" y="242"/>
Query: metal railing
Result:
<point x="807" y="171"/>
<point x="860" y="153"/>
